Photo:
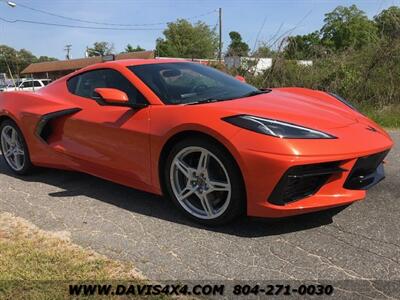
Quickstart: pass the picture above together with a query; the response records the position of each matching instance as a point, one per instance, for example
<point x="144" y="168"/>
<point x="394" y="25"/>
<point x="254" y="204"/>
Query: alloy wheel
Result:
<point x="200" y="183"/>
<point x="12" y="148"/>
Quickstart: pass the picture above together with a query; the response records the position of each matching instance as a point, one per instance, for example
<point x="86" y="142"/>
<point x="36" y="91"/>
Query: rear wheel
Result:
<point x="204" y="182"/>
<point x="14" y="148"/>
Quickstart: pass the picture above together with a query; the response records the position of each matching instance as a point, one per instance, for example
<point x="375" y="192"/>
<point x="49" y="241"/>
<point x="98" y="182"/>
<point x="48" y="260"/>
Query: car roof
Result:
<point x="32" y="79"/>
<point x="135" y="62"/>
<point x="126" y="63"/>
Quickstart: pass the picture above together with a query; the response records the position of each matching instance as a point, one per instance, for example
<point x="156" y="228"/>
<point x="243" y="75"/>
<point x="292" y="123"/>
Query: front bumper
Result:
<point x="366" y="172"/>
<point x="263" y="171"/>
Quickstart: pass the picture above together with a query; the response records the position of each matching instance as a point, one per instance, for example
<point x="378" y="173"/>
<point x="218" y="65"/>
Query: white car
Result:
<point x="27" y="85"/>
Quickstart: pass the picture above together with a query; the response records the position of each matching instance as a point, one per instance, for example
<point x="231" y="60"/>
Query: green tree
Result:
<point x="45" y="58"/>
<point x="347" y="27"/>
<point x="263" y="51"/>
<point x="8" y="59"/>
<point x="303" y="46"/>
<point x="237" y="47"/>
<point x="24" y="59"/>
<point x="186" y="40"/>
<point x="130" y="48"/>
<point x="388" y="22"/>
<point x="100" y="49"/>
<point x="14" y="60"/>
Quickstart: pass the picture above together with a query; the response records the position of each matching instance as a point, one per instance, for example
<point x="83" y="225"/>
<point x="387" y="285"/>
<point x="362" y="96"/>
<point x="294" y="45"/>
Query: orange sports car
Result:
<point x="217" y="146"/>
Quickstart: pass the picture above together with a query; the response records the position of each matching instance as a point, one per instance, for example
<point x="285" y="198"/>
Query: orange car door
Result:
<point x="107" y="141"/>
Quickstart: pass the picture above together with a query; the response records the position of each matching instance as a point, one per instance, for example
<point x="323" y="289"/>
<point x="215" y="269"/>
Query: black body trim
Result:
<point x="43" y="130"/>
<point x="366" y="172"/>
<point x="303" y="181"/>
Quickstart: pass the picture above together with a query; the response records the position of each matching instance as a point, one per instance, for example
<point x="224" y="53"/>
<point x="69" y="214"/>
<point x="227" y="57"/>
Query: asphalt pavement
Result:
<point x="361" y="241"/>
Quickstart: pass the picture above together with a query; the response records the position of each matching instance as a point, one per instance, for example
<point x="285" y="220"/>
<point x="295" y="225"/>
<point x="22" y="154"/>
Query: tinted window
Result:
<point x="46" y="82"/>
<point x="84" y="84"/>
<point x="72" y="83"/>
<point x="178" y="83"/>
<point x="27" y="84"/>
<point x="37" y="84"/>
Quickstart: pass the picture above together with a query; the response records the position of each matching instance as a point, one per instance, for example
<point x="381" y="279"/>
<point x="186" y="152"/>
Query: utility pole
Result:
<point x="68" y="50"/>
<point x="220" y="35"/>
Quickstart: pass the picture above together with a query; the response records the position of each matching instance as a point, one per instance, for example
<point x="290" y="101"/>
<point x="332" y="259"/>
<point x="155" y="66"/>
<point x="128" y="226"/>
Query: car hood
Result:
<point x="319" y="111"/>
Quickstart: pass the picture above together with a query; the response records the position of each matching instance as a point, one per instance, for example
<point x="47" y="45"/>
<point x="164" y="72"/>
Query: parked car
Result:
<point x="216" y="146"/>
<point x="27" y="85"/>
<point x="11" y="87"/>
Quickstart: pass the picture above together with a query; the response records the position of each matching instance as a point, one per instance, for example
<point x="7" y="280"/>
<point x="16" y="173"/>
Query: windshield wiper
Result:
<point x="211" y="100"/>
<point x="208" y="100"/>
<point x="255" y="93"/>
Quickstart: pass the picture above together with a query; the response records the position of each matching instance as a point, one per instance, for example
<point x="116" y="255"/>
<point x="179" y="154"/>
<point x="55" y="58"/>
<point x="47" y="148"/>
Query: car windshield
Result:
<point x="190" y="83"/>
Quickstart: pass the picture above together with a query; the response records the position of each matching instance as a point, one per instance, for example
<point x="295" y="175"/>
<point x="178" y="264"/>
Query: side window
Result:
<point x="27" y="84"/>
<point x="36" y="83"/>
<point x="84" y="84"/>
<point x="72" y="84"/>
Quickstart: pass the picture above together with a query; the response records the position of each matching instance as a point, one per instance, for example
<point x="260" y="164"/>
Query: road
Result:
<point x="361" y="241"/>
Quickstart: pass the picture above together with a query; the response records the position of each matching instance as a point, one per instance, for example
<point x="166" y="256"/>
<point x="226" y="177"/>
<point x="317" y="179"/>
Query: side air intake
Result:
<point x="44" y="129"/>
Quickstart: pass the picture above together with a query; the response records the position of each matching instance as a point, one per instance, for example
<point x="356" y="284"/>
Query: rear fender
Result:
<point x="31" y="111"/>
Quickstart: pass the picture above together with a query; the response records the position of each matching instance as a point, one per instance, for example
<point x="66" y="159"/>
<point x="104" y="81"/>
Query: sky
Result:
<point x="244" y="16"/>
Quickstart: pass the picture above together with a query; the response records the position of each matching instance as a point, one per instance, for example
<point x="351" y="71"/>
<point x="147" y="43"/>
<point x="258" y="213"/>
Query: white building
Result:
<point x="256" y="65"/>
<point x="253" y="64"/>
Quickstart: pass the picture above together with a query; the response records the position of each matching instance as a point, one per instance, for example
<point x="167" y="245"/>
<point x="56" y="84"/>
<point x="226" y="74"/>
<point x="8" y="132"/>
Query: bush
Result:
<point x="369" y="78"/>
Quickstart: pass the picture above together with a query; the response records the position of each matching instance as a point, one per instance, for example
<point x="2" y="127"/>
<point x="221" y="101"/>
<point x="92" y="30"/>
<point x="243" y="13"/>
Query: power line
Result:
<point x="104" y="23"/>
<point x="76" y="26"/>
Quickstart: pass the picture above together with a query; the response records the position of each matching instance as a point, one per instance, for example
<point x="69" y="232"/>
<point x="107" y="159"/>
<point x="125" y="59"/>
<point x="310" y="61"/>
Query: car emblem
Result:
<point x="370" y="128"/>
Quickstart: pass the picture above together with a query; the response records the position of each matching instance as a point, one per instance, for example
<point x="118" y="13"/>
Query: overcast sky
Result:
<point x="246" y="17"/>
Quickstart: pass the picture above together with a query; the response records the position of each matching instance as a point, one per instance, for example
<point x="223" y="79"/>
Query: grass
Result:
<point x="387" y="116"/>
<point x="35" y="264"/>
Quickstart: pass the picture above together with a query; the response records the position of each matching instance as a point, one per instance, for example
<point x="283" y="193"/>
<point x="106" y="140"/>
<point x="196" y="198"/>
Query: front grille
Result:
<point x="367" y="171"/>
<point x="302" y="181"/>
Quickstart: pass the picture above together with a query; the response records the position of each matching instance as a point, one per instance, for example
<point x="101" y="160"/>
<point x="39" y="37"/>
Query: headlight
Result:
<point x="276" y="128"/>
<point x="344" y="101"/>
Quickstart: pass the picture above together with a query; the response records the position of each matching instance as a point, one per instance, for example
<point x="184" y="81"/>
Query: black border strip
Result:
<point x="45" y="119"/>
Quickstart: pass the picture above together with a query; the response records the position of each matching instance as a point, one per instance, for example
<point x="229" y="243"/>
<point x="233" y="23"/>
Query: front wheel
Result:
<point x="204" y="182"/>
<point x="14" y="148"/>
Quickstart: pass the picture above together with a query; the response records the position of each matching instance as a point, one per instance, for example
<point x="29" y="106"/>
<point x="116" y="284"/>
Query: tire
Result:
<point x="19" y="161"/>
<point x="204" y="182"/>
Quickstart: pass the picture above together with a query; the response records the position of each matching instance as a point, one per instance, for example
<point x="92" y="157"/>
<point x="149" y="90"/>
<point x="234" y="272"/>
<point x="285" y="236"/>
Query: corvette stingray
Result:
<point x="215" y="145"/>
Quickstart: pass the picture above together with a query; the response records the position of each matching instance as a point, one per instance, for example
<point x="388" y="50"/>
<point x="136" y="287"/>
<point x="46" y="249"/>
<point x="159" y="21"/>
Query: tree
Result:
<point x="263" y="51"/>
<point x="186" y="40"/>
<point x="100" y="49"/>
<point x="16" y="60"/>
<point x="347" y="27"/>
<point x="303" y="46"/>
<point x="388" y="22"/>
<point x="129" y="48"/>
<point x="237" y="47"/>
<point x="24" y="59"/>
<point x="45" y="58"/>
<point x="8" y="58"/>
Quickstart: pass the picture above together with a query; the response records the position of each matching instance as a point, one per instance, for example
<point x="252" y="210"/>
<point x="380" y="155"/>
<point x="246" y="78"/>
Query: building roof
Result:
<point x="76" y="64"/>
